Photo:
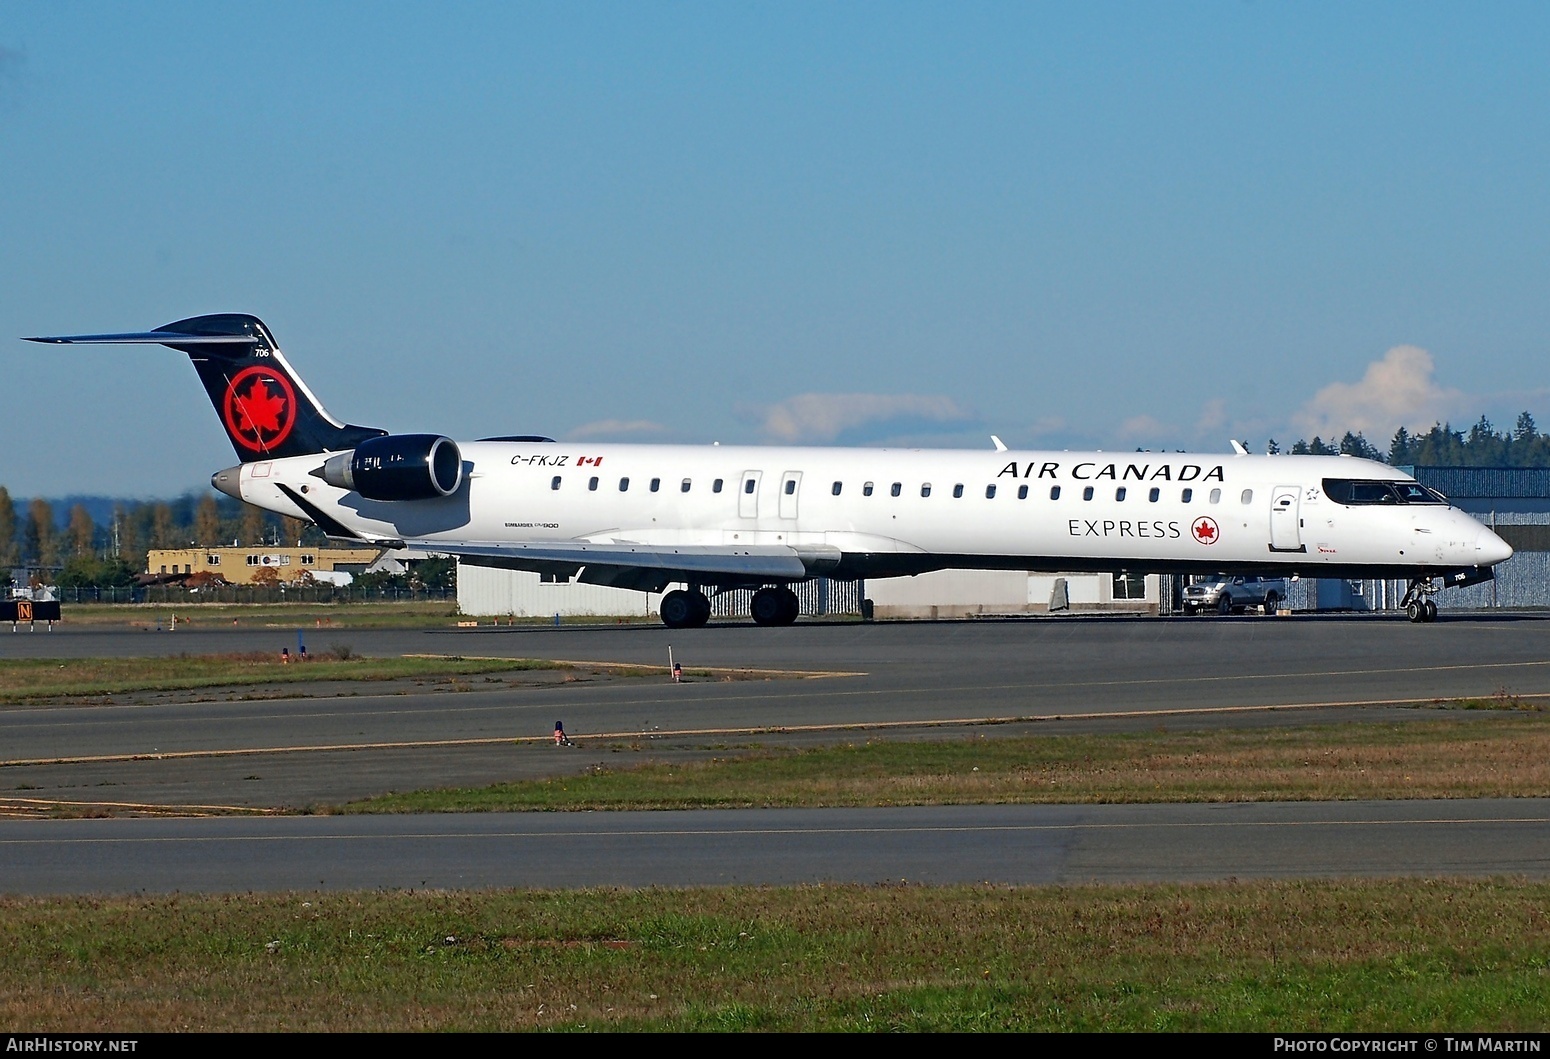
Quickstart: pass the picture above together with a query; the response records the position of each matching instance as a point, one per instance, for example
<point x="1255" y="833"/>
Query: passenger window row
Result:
<point x="897" y="489"/>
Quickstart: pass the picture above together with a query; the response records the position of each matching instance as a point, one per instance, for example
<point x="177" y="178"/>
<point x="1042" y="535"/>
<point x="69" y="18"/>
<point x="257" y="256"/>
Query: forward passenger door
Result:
<point x="1286" y="519"/>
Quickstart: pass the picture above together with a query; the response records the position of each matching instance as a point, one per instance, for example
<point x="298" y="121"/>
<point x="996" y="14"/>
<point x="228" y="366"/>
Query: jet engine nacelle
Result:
<point x="398" y="467"/>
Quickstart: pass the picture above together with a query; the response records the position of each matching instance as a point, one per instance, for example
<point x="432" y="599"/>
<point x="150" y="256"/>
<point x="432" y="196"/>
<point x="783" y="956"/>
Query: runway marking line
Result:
<point x="31" y="807"/>
<point x="683" y="733"/>
<point x="778" y="831"/>
<point x="874" y="692"/>
<point x="802" y="674"/>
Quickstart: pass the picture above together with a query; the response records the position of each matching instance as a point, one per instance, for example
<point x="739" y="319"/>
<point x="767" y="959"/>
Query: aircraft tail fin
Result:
<point x="265" y="408"/>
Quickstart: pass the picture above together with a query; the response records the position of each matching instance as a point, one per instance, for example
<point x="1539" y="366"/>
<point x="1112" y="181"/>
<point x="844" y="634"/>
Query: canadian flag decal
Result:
<point x="596" y="461"/>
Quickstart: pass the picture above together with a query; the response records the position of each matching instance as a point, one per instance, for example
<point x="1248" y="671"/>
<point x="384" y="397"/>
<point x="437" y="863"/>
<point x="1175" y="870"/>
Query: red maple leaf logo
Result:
<point x="258" y="410"/>
<point x="1205" y="530"/>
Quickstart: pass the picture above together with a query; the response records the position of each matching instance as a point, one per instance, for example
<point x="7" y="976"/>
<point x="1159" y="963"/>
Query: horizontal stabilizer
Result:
<point x="168" y="338"/>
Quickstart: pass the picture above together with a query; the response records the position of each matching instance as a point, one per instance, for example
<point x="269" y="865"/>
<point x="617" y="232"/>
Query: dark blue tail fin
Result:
<point x="265" y="408"/>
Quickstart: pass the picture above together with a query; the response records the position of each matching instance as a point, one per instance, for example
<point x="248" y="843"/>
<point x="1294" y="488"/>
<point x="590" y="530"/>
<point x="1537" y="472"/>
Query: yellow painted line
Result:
<point x="9" y="802"/>
<point x="804" y="674"/>
<point x="765" y="729"/>
<point x="927" y="829"/>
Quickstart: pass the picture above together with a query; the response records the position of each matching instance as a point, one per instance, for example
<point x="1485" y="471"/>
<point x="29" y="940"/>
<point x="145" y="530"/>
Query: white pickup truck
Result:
<point x="1225" y="594"/>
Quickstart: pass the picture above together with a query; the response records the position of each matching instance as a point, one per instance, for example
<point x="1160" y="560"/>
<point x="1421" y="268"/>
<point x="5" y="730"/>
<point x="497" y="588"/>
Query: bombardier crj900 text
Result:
<point x="714" y="518"/>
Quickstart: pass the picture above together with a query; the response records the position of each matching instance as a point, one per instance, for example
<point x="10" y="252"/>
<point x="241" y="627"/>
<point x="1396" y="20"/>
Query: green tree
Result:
<point x="41" y="539"/>
<point x="82" y="532"/>
<point x="207" y="523"/>
<point x="253" y="525"/>
<point x="10" y="554"/>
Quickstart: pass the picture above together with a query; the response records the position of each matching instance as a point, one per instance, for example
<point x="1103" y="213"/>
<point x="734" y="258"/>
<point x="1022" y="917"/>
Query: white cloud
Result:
<point x="607" y="429"/>
<point x="1143" y="428"/>
<point x="1396" y="391"/>
<point x="824" y="417"/>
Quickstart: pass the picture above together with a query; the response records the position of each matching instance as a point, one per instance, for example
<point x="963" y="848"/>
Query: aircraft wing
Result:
<point x="645" y="567"/>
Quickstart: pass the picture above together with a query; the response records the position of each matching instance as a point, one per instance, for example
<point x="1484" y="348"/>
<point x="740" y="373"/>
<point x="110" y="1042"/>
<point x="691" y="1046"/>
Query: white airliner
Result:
<point x="714" y="518"/>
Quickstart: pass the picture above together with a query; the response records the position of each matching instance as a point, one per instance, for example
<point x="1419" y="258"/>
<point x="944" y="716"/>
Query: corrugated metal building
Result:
<point x="486" y="592"/>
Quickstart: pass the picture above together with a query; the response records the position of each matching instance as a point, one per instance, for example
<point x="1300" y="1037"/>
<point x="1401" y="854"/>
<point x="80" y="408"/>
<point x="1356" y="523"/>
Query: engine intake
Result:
<point x="398" y="467"/>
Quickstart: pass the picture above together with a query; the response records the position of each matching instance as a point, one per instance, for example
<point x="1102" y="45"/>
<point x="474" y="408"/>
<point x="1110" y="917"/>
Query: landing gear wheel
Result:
<point x="1224" y="606"/>
<point x="679" y="610"/>
<point x="774" y="606"/>
<point x="1430" y="608"/>
<point x="1415" y="610"/>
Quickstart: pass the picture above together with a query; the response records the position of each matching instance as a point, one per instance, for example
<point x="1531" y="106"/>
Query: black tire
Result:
<point x="1271" y="599"/>
<point x="1430" y="607"/>
<point x="768" y="607"/>
<point x="1416" y="612"/>
<point x="678" y="610"/>
<point x="1224" y="605"/>
<point x="792" y="608"/>
<point x="701" y="609"/>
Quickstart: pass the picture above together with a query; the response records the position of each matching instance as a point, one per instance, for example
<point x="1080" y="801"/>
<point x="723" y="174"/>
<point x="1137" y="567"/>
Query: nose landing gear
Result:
<point x="1418" y="604"/>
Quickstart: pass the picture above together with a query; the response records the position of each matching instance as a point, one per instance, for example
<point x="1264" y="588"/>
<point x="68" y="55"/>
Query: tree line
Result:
<point x="1443" y="446"/>
<point x="79" y="550"/>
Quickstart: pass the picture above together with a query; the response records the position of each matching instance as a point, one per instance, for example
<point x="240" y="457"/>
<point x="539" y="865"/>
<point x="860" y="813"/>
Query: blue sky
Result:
<point x="1104" y="225"/>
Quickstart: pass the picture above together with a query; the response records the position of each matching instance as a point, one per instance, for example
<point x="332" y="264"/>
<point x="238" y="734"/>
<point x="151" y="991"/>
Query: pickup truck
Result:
<point x="1225" y="594"/>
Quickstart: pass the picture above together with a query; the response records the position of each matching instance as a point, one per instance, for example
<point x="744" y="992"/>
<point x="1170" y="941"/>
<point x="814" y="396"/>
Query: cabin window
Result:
<point x="748" y="485"/>
<point x="1054" y="492"/>
<point x="836" y="489"/>
<point x="1187" y="496"/>
<point x="925" y="489"/>
<point x="791" y="486"/>
<point x="896" y="489"/>
<point x="624" y="485"/>
<point x="1216" y="496"/>
<point x="592" y="484"/>
<point x="683" y="487"/>
<point x="1154" y="495"/>
<point x="866" y="490"/>
<point x="990" y="492"/>
<point x="1248" y="496"/>
<point x="656" y="484"/>
<point x="1119" y="494"/>
<point x="958" y="491"/>
<point x="1087" y="494"/>
<point x="1022" y="492"/>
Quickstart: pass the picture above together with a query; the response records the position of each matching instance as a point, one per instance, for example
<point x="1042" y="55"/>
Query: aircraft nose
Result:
<point x="1491" y="549"/>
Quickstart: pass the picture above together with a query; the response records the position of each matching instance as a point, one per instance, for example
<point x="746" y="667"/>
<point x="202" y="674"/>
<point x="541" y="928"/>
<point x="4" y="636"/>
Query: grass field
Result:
<point x="25" y="680"/>
<point x="1363" y="955"/>
<point x="375" y="615"/>
<point x="1448" y="757"/>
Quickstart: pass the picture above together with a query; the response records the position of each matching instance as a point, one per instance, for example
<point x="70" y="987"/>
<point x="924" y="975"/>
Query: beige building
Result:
<point x="240" y="566"/>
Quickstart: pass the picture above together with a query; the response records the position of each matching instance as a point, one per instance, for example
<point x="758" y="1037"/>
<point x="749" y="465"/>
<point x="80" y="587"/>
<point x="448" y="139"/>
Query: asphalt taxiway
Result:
<point x="1009" y="844"/>
<point x="314" y="746"/>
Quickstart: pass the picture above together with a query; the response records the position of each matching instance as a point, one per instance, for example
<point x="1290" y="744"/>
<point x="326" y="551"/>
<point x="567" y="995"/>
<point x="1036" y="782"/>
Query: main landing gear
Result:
<point x="685" y="610"/>
<point x="774" y="606"/>
<point x="689" y="609"/>
<point x="1418" y="604"/>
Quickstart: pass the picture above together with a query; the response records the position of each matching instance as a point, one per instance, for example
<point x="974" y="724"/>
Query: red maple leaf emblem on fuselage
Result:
<point x="1205" y="530"/>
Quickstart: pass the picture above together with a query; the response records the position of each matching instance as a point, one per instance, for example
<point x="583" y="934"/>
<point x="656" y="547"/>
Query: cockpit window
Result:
<point x="1356" y="493"/>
